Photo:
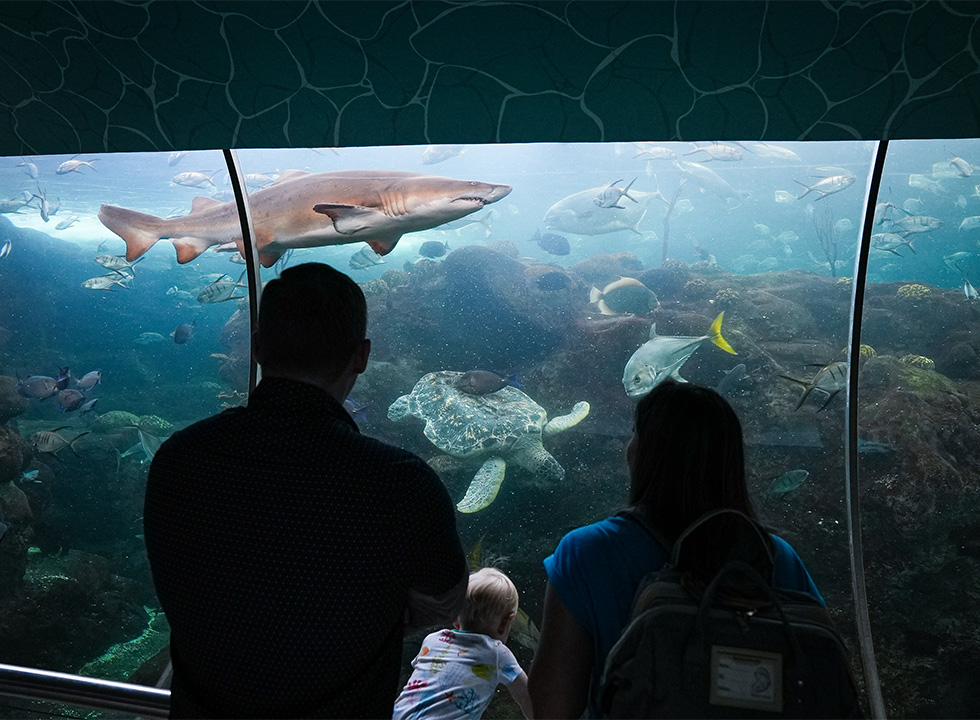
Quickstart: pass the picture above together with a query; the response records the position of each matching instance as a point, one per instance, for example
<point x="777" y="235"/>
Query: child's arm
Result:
<point x="518" y="691"/>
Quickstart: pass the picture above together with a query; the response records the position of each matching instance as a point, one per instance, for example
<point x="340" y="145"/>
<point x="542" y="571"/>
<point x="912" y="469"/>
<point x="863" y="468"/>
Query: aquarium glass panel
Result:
<point x="102" y="359"/>
<point x="550" y="268"/>
<point x="918" y="439"/>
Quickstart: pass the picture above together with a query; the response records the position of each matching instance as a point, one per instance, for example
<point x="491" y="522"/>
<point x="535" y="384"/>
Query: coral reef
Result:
<point x="919" y="361"/>
<point x="727" y="298"/>
<point x="914" y="291"/>
<point x="697" y="289"/>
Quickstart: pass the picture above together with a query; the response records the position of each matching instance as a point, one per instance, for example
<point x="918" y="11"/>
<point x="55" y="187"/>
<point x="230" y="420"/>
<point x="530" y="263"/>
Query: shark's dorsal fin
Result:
<point x="653" y="331"/>
<point x="287" y="175"/>
<point x="203" y="203"/>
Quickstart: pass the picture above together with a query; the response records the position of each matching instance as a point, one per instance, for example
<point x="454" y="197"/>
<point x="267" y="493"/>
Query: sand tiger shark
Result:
<point x="302" y="209"/>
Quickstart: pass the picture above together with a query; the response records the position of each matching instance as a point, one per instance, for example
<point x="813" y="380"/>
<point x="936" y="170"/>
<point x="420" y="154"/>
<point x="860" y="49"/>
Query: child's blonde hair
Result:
<point x="491" y="597"/>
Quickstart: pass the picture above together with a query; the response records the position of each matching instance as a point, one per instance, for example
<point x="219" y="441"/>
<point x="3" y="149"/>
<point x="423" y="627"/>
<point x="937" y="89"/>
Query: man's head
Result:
<point x="312" y="322"/>
<point x="490" y="605"/>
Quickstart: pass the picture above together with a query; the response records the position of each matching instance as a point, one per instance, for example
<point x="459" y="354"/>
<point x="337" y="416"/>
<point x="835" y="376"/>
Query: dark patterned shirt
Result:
<point x="283" y="544"/>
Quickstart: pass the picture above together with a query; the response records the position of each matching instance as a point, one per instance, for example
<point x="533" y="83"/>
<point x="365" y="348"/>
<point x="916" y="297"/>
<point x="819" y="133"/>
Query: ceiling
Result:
<point x="97" y="76"/>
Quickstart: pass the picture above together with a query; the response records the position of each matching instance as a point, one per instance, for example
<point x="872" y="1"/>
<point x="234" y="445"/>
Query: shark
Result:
<point x="302" y="209"/>
<point x="662" y="356"/>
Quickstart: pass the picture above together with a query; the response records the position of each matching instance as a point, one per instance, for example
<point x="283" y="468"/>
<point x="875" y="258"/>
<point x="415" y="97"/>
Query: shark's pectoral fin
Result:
<point x="349" y="219"/>
<point x="269" y="258"/>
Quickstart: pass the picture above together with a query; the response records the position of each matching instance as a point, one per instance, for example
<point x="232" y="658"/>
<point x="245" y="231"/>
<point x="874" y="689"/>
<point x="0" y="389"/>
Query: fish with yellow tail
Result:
<point x="302" y="209"/>
<point x="830" y="380"/>
<point x="662" y="356"/>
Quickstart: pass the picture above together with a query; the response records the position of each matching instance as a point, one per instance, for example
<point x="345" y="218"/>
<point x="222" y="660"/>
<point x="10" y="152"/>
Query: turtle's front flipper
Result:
<point x="483" y="489"/>
<point x="563" y="422"/>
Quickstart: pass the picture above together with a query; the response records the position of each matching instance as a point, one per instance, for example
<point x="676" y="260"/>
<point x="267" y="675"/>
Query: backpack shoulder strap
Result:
<point x="643" y="521"/>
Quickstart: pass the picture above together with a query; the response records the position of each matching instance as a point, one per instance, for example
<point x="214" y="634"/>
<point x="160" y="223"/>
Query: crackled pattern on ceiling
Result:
<point x="160" y="75"/>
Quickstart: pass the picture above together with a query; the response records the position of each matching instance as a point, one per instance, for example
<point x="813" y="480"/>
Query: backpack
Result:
<point x="710" y="637"/>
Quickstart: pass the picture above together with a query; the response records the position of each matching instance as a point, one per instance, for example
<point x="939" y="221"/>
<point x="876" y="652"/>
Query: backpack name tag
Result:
<point x="745" y="678"/>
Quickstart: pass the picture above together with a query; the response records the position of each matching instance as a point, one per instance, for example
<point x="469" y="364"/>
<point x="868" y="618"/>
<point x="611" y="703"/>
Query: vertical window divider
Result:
<point x="851" y="470"/>
<point x="251" y="255"/>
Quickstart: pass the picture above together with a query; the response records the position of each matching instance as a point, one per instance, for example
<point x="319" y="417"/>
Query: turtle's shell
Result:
<point x="468" y="426"/>
<point x="155" y="425"/>
<point x="114" y="419"/>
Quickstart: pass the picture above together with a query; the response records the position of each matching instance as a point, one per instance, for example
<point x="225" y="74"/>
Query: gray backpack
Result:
<point x="709" y="637"/>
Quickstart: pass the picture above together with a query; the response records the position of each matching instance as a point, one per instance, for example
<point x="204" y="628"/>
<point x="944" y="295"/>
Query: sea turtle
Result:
<point x="497" y="427"/>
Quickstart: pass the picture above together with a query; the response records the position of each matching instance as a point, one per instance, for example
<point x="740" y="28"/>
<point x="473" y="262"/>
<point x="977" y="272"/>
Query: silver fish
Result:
<point x="964" y="168"/>
<point x="89" y="380"/>
<point x="302" y="209"/>
<point x="830" y="380"/>
<point x="106" y="282"/>
<point x="718" y="151"/>
<point x="6" y="248"/>
<point x="29" y="167"/>
<point x="365" y="258"/>
<point x="175" y="157"/>
<point x="67" y="223"/>
<point x="707" y="179"/>
<point x="222" y="290"/>
<point x="74" y="166"/>
<point x="578" y="213"/>
<point x="611" y="195"/>
<point x="53" y="442"/>
<point x="193" y="178"/>
<point x="438" y="153"/>
<point x="662" y="356"/>
<point x="970" y="223"/>
<point x="827" y="186"/>
<point x="917" y="223"/>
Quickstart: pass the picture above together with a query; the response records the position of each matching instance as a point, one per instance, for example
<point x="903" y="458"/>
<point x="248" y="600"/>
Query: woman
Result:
<point x="685" y="459"/>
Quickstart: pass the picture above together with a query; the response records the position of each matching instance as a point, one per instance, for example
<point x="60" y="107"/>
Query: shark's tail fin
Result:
<point x="139" y="230"/>
<point x="714" y="332"/>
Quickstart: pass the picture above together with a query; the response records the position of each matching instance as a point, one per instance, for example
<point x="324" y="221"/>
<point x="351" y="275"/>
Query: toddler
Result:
<point x="457" y="670"/>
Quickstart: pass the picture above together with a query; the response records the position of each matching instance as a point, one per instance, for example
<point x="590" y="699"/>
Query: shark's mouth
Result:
<point x="468" y="198"/>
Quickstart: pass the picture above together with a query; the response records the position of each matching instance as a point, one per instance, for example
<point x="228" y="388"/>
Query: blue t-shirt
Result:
<point x="597" y="569"/>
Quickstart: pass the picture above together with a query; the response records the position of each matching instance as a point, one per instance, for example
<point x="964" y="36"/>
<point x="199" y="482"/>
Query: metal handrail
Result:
<point x="47" y="685"/>
<point x="851" y="476"/>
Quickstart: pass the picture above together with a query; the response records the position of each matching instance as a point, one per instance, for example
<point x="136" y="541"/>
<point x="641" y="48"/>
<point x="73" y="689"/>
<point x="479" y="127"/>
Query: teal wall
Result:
<point x="162" y="75"/>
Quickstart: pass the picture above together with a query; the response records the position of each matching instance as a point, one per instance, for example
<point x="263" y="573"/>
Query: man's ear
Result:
<point x="361" y="355"/>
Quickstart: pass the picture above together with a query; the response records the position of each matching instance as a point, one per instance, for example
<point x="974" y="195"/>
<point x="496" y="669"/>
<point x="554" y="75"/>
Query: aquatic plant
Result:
<point x="844" y="283"/>
<point x="374" y="287"/>
<point x="696" y="288"/>
<point x="864" y="352"/>
<point x="727" y="297"/>
<point x="824" y="224"/>
<point x="914" y="291"/>
<point x="919" y="361"/>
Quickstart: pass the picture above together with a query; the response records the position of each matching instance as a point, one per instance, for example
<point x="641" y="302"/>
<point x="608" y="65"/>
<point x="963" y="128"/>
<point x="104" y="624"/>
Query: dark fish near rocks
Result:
<point x="624" y="296"/>
<point x="830" y="380"/>
<point x="184" y="332"/>
<point x="88" y="407"/>
<point x="4" y="527"/>
<point x="70" y="400"/>
<point x="38" y="386"/>
<point x="788" y="482"/>
<point x="484" y="382"/>
<point x="551" y="243"/>
<point x="358" y="411"/>
<point x="553" y="281"/>
<point x="433" y="249"/>
<point x="64" y="377"/>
